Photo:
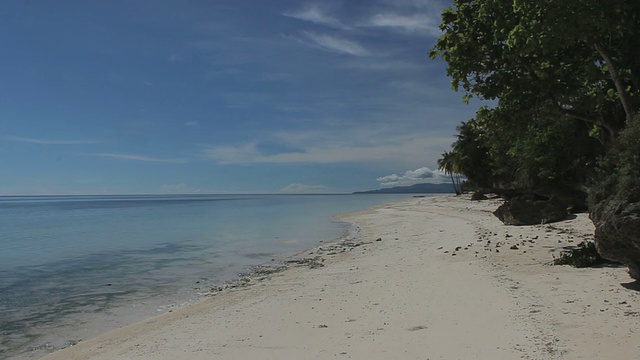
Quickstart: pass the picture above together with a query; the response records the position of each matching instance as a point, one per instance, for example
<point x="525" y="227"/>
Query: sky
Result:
<point x="255" y="96"/>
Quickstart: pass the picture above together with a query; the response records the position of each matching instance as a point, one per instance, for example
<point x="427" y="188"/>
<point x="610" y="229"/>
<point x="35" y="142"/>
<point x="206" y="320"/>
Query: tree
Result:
<point x="555" y="66"/>
<point x="563" y="72"/>
<point x="581" y="56"/>
<point x="471" y="151"/>
<point x="450" y="165"/>
<point x="606" y="26"/>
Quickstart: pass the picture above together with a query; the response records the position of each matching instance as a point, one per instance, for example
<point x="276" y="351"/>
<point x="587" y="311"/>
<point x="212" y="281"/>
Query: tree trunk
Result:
<point x="613" y="72"/>
<point x="459" y="185"/>
<point x="455" y="187"/>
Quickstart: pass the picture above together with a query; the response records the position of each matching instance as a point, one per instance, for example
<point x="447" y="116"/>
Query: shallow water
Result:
<point x="72" y="267"/>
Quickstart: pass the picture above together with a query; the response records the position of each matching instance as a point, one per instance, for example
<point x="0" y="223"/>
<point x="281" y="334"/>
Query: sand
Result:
<point x="401" y="290"/>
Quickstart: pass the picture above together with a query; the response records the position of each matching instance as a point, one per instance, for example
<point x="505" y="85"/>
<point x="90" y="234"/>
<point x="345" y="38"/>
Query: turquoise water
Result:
<point x="72" y="267"/>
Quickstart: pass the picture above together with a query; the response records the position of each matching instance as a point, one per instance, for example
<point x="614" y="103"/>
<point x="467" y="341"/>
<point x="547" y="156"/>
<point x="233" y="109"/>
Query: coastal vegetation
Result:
<point x="583" y="255"/>
<point x="564" y="78"/>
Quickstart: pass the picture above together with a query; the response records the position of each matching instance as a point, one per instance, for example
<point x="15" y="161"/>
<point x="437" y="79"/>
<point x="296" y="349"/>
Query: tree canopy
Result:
<point x="566" y="77"/>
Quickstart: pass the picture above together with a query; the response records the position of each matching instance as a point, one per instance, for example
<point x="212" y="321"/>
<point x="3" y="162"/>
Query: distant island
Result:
<point x="412" y="189"/>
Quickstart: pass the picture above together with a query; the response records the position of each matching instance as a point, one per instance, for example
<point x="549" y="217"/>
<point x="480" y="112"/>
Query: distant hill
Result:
<point x="413" y="189"/>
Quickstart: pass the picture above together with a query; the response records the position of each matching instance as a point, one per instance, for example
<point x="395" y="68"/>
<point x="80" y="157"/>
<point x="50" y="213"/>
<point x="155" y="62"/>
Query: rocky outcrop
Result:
<point x="478" y="195"/>
<point x="531" y="209"/>
<point x="617" y="232"/>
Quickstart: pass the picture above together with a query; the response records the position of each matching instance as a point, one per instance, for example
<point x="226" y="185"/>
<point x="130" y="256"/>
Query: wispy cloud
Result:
<point x="316" y="15"/>
<point x="418" y="24"/>
<point x="249" y="154"/>
<point x="436" y="5"/>
<point x="332" y="147"/>
<point x="141" y="158"/>
<point x="274" y="77"/>
<point x="180" y="188"/>
<point x="336" y="44"/>
<point x="303" y="189"/>
<point x="174" y="58"/>
<point x="49" y="141"/>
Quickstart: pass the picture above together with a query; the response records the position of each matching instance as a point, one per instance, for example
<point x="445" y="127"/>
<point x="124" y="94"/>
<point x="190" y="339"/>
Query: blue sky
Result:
<point x="170" y="96"/>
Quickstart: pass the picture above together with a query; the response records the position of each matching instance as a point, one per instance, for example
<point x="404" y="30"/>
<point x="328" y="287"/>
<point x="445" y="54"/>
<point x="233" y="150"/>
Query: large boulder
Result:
<point x="478" y="195"/>
<point x="617" y="233"/>
<point x="531" y="210"/>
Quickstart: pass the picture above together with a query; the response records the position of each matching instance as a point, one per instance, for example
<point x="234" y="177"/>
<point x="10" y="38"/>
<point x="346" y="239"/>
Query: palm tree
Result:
<point x="450" y="164"/>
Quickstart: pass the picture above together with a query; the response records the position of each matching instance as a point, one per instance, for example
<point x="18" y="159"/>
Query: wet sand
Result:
<point x="428" y="278"/>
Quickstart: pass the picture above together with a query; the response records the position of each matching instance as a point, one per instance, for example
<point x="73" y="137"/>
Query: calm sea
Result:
<point x="72" y="267"/>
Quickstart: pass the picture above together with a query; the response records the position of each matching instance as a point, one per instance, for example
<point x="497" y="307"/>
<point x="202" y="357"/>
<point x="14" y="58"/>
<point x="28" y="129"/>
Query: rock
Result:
<point x="617" y="233"/>
<point x="478" y="195"/>
<point x="531" y="210"/>
<point x="72" y="342"/>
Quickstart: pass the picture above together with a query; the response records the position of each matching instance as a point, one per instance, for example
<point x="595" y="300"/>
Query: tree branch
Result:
<point x="579" y="116"/>
<point x="620" y="88"/>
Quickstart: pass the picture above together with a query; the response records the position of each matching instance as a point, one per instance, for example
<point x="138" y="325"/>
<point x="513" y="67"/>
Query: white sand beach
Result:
<point x="408" y="295"/>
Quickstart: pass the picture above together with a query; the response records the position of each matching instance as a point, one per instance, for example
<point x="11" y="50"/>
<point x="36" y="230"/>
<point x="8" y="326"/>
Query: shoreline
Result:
<point x="277" y="236"/>
<point x="418" y="278"/>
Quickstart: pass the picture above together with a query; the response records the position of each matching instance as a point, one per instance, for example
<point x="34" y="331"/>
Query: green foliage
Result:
<point x="566" y="75"/>
<point x="449" y="163"/>
<point x="628" y="169"/>
<point x="584" y="255"/>
<point x="620" y="168"/>
<point x="525" y="53"/>
<point x="471" y="151"/>
<point x="498" y="149"/>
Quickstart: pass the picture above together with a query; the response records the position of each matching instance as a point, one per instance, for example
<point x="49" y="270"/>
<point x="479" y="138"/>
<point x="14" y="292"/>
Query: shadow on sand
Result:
<point x="634" y="285"/>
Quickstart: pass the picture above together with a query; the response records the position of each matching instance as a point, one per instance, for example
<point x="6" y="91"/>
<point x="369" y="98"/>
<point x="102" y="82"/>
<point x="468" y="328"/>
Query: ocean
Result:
<point x="72" y="267"/>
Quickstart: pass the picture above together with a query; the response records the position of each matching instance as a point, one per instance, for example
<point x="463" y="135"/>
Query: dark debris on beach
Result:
<point x="315" y="260"/>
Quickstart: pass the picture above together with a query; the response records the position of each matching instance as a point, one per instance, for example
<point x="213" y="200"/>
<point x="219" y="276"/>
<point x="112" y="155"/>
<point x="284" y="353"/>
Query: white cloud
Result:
<point x="141" y="158"/>
<point x="411" y="177"/>
<point x="420" y="24"/>
<point x="336" y="44"/>
<point x="49" y="142"/>
<point x="303" y="189"/>
<point x="316" y="15"/>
